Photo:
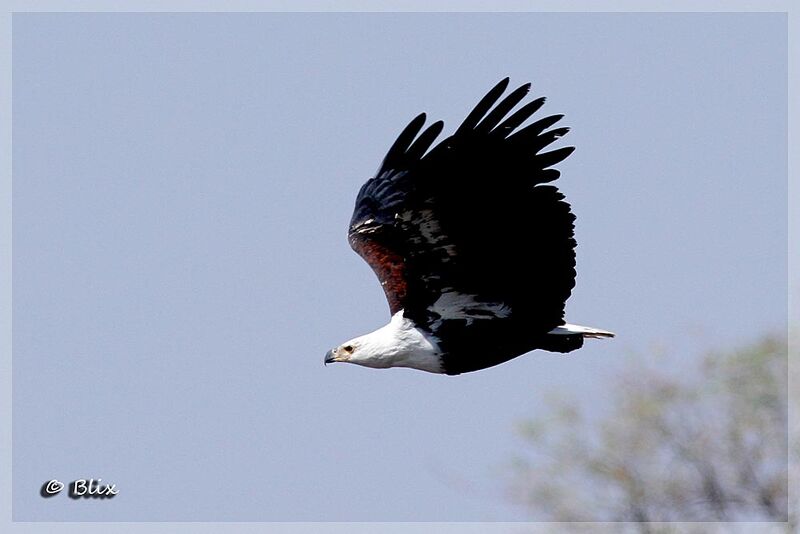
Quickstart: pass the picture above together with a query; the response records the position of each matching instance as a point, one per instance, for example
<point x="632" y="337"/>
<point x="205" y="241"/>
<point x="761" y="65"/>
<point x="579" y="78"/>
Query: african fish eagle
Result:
<point x="476" y="255"/>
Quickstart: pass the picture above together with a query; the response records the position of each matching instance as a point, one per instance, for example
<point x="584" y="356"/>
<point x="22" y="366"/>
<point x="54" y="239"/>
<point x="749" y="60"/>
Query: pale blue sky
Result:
<point x="182" y="187"/>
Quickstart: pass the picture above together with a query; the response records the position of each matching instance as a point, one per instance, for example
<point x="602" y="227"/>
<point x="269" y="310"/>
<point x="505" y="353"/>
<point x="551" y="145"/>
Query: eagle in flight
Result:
<point x="474" y="250"/>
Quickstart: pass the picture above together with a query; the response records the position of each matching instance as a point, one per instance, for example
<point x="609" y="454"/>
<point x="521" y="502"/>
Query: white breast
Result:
<point x="398" y="344"/>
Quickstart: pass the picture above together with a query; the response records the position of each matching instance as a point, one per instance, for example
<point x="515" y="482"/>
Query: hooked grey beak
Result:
<point x="329" y="357"/>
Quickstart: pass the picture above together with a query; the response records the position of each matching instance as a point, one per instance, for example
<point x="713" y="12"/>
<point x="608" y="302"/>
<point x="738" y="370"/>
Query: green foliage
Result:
<point x="704" y="446"/>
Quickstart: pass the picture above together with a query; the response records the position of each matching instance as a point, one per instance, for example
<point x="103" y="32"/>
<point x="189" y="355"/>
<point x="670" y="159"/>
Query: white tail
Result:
<point x="588" y="332"/>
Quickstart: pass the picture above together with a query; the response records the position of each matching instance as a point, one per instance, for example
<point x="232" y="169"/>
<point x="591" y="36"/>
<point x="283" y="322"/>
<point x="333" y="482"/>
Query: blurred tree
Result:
<point x="711" y="446"/>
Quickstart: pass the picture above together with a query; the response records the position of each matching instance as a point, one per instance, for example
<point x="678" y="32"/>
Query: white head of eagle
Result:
<point x="473" y="248"/>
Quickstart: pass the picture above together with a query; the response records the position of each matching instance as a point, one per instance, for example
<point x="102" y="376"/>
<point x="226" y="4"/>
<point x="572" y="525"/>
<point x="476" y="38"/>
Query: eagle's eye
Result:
<point x="348" y="348"/>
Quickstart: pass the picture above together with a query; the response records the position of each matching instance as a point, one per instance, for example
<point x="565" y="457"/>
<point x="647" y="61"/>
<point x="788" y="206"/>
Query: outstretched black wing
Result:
<point x="466" y="231"/>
